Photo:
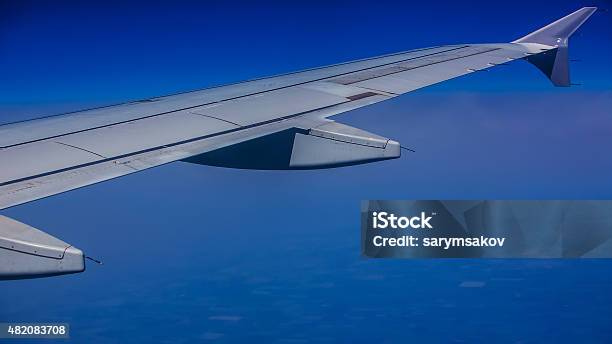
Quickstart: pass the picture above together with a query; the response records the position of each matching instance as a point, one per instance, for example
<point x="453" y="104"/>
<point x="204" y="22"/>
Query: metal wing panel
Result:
<point x="346" y="91"/>
<point x="126" y="138"/>
<point x="38" y="158"/>
<point x="271" y="105"/>
<point x="443" y="56"/>
<point x="20" y="192"/>
<point x="443" y="68"/>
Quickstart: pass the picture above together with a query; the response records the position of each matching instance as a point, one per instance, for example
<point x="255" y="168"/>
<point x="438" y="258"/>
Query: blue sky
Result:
<point x="207" y="253"/>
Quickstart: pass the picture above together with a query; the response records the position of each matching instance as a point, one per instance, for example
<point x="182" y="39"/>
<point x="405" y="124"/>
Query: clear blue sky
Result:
<point x="226" y="255"/>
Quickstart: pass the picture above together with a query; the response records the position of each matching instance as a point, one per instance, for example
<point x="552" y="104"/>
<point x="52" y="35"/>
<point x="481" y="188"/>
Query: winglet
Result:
<point x="557" y="33"/>
<point x="554" y="63"/>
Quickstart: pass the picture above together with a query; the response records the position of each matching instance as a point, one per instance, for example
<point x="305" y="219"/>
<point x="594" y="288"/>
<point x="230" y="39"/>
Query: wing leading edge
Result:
<point x="279" y="122"/>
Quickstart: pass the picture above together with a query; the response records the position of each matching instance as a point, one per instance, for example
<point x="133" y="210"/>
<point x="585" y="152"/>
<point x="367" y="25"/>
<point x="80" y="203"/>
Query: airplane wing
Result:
<point x="280" y="122"/>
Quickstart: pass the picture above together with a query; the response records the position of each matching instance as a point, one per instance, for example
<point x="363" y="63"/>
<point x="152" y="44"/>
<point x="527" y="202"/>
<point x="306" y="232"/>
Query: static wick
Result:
<point x="94" y="260"/>
<point x="408" y="149"/>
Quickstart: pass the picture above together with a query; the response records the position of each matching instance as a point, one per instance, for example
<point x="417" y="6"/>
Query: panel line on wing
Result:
<point x="359" y="77"/>
<point x="80" y="148"/>
<point x="213" y="117"/>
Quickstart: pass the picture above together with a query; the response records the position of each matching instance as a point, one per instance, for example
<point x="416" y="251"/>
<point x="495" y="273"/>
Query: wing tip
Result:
<point x="558" y="32"/>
